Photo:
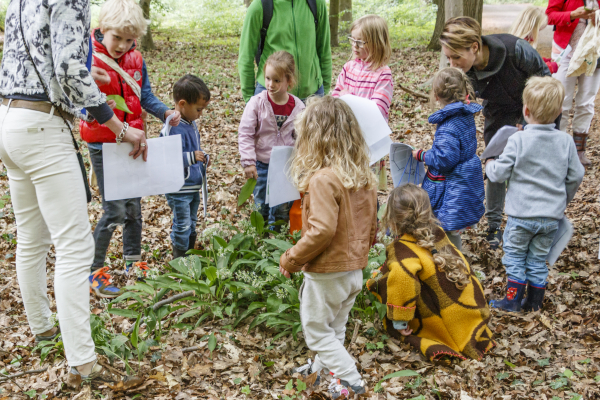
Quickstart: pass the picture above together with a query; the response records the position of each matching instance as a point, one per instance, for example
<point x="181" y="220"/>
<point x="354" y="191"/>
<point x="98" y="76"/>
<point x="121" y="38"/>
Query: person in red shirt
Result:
<point x="570" y="17"/>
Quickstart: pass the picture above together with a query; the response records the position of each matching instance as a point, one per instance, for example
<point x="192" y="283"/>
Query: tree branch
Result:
<point x="179" y="296"/>
<point x="416" y="94"/>
<point x="4" y="378"/>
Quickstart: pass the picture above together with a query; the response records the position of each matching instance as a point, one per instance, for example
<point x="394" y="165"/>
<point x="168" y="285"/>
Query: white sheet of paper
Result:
<point x="126" y="178"/>
<point x="561" y="240"/>
<point x="404" y="168"/>
<point x="498" y="142"/>
<point x="375" y="130"/>
<point x="279" y="187"/>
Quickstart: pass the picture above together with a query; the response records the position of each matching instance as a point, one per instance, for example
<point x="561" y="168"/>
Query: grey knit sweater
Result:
<point x="58" y="33"/>
<point x="543" y="172"/>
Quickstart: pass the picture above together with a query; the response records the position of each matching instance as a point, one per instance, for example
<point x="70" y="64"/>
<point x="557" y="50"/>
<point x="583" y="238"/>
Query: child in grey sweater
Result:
<point x="543" y="172"/>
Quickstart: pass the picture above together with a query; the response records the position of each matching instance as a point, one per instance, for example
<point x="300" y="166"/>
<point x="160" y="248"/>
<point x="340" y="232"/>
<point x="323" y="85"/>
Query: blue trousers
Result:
<point x="527" y="242"/>
<point x="185" y="216"/>
<point x="269" y="214"/>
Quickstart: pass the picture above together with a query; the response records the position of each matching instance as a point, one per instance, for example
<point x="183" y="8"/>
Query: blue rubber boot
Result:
<point x="535" y="297"/>
<point x="514" y="296"/>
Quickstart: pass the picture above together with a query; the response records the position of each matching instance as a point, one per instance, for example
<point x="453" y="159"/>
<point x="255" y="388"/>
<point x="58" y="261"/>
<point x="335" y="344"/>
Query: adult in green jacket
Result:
<point x="292" y="29"/>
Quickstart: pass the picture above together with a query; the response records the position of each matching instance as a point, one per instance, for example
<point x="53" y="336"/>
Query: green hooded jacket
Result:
<point x="294" y="34"/>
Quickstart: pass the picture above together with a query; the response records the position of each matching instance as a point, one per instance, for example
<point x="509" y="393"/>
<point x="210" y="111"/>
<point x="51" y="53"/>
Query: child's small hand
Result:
<point x="112" y="104"/>
<point x="284" y="272"/>
<point x="251" y="172"/>
<point x="176" y="117"/>
<point x="199" y="155"/>
<point x="405" y="332"/>
<point x="489" y="160"/>
<point x="415" y="153"/>
<point x="100" y="76"/>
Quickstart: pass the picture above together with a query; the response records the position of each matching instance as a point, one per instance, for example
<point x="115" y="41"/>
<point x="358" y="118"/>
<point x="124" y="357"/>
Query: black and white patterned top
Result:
<point x="58" y="33"/>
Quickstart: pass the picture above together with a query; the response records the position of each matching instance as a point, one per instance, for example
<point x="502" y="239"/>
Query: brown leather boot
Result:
<point x="580" y="140"/>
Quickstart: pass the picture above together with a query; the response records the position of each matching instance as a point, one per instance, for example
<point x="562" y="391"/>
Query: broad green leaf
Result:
<point x="543" y="362"/>
<point x="509" y="364"/>
<point x="212" y="342"/>
<point x="223" y="261"/>
<point x="257" y="221"/>
<point x="419" y="397"/>
<point x="143" y="287"/>
<point x="31" y="393"/>
<point x="281" y="244"/>
<point x="300" y="386"/>
<point x="188" y="314"/>
<point x="246" y="191"/>
<point x="211" y="273"/>
<point x="118" y="341"/>
<point x="381" y="211"/>
<point x="124" y="313"/>
<point x="237" y="381"/>
<point x="503" y="375"/>
<point x="290" y="385"/>
<point x="568" y="373"/>
<point x="128" y="295"/>
<point x="397" y="374"/>
<point x="246" y="390"/>
<point x="134" y="334"/>
<point x="121" y="104"/>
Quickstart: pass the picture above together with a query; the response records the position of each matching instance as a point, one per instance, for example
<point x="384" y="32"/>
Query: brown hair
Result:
<point x="544" y="97"/>
<point x="460" y="33"/>
<point x="529" y="24"/>
<point x="329" y="136"/>
<point x="451" y="85"/>
<point x="375" y="32"/>
<point x="284" y="64"/>
<point x="409" y="212"/>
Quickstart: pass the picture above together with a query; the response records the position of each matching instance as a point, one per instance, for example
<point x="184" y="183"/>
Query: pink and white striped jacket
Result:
<point x="356" y="78"/>
<point x="258" y="132"/>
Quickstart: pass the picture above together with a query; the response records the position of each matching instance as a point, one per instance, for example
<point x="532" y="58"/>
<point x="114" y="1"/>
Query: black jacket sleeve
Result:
<point x="529" y="60"/>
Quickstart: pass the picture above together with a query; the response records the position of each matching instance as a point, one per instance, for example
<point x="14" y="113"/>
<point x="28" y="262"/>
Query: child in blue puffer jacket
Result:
<point x="191" y="97"/>
<point x="454" y="179"/>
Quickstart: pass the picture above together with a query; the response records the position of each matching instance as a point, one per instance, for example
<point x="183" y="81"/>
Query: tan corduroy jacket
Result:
<point x="338" y="227"/>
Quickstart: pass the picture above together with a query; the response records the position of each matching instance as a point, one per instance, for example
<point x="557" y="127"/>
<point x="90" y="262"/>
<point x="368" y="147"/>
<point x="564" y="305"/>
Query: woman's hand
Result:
<point x="251" y="172"/>
<point x="176" y="118"/>
<point x="284" y="272"/>
<point x="134" y="136"/>
<point x="581" y="12"/>
<point x="405" y="332"/>
<point x="100" y="76"/>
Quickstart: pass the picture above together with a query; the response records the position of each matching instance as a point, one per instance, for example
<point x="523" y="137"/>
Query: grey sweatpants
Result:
<point x="325" y="303"/>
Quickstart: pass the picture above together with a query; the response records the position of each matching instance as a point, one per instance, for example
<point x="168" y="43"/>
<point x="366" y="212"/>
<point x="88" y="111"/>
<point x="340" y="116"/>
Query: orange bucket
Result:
<point x="296" y="216"/>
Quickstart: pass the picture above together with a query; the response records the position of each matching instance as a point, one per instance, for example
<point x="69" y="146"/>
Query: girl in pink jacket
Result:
<point x="268" y="121"/>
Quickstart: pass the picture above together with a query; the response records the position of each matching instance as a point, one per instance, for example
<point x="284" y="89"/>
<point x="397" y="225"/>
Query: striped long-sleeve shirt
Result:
<point x="356" y="78"/>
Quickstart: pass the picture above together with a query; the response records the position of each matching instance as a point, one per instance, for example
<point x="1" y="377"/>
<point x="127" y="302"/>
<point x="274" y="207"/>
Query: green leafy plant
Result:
<point x="246" y="191"/>
<point x="404" y="373"/>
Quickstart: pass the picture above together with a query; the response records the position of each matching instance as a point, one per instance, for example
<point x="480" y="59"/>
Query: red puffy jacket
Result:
<point x="132" y="63"/>
<point x="559" y="15"/>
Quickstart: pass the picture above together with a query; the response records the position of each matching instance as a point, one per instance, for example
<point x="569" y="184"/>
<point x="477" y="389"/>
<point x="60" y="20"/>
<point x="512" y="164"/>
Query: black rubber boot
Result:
<point x="177" y="253"/>
<point x="514" y="296"/>
<point x="193" y="237"/>
<point x="535" y="298"/>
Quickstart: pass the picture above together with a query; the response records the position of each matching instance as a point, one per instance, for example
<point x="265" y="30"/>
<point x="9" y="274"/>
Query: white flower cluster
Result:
<point x="376" y="250"/>
<point x="224" y="273"/>
<point x="280" y="292"/>
<point x="386" y="240"/>
<point x="262" y="250"/>
<point x="251" y="278"/>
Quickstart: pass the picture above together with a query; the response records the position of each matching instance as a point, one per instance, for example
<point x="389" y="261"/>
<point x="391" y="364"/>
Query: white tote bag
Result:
<point x="585" y="58"/>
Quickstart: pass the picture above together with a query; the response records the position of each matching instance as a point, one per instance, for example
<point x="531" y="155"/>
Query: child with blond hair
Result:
<point x="454" y="179"/>
<point x="543" y="172"/>
<point x="268" y="121"/>
<point x="121" y="23"/>
<point x="434" y="300"/>
<point x="330" y="165"/>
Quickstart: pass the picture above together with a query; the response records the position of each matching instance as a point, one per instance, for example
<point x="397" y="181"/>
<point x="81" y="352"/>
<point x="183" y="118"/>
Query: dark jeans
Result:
<point x="260" y="88"/>
<point x="127" y="212"/>
<point x="185" y="216"/>
<point x="270" y="214"/>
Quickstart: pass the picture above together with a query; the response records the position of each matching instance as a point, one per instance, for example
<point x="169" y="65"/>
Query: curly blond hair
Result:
<point x="451" y="85"/>
<point x="409" y="212"/>
<point x="328" y="135"/>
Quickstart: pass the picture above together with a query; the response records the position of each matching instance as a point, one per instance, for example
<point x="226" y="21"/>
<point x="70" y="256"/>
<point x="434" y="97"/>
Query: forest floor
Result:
<point x="552" y="354"/>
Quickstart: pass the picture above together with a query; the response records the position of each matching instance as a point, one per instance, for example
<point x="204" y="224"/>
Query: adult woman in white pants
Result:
<point x="46" y="182"/>
<point x="570" y="18"/>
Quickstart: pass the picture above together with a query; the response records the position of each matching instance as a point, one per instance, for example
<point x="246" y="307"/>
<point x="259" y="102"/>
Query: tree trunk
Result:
<point x="334" y="21"/>
<point x="434" y="43"/>
<point x="247" y="3"/>
<point x="453" y="8"/>
<point x="471" y="8"/>
<point x="147" y="43"/>
<point x="346" y="15"/>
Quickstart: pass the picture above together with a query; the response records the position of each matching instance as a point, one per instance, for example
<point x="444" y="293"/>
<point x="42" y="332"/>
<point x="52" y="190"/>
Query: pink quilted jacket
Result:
<point x="258" y="131"/>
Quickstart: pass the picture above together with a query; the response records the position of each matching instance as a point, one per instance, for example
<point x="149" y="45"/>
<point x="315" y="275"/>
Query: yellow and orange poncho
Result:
<point x="445" y="320"/>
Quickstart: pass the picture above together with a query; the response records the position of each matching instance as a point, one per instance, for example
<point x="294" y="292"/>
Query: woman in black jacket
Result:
<point x="499" y="67"/>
